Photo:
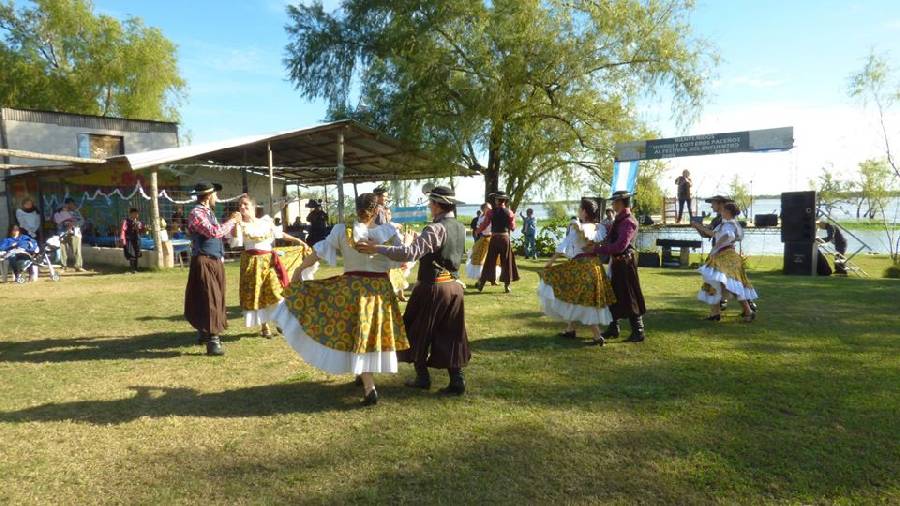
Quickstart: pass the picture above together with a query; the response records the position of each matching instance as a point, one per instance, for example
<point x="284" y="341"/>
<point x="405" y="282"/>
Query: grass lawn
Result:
<point x="105" y="398"/>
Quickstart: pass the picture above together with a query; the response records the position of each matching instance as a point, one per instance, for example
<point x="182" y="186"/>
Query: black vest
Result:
<point x="449" y="257"/>
<point x="207" y="246"/>
<point x="500" y="221"/>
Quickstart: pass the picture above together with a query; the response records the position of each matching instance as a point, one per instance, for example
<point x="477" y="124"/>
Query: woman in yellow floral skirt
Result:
<point x="578" y="291"/>
<point x="265" y="269"/>
<point x="349" y="324"/>
<point x="475" y="261"/>
<point x="724" y="269"/>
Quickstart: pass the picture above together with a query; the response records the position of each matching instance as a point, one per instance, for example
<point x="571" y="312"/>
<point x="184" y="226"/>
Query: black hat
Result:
<point x="718" y="198"/>
<point x="620" y="195"/>
<point x="500" y="196"/>
<point x="204" y="187"/>
<point x="313" y="204"/>
<point x="443" y="195"/>
<point x="381" y="190"/>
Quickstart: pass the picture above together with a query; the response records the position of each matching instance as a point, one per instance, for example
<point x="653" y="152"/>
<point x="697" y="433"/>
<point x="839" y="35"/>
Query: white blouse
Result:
<point x="337" y="242"/>
<point x="727" y="233"/>
<point x="259" y="234"/>
<point x="577" y="238"/>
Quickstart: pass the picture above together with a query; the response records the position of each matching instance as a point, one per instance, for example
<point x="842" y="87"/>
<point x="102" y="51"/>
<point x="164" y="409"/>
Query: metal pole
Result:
<point x="340" y="175"/>
<point x="355" y="191"/>
<point x="154" y="218"/>
<point x="271" y="182"/>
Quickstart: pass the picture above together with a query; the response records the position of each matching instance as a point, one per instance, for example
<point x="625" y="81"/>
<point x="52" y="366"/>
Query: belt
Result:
<point x="626" y="253"/>
<point x="366" y="274"/>
<point x="499" y="233"/>
<point x="584" y="255"/>
<point x="280" y="270"/>
<point x="444" y="277"/>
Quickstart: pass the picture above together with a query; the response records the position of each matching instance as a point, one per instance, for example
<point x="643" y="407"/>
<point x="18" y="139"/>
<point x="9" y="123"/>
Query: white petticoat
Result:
<point x="326" y="359"/>
<point x="473" y="272"/>
<point x="265" y="314"/>
<point x="567" y="312"/>
<point x="716" y="279"/>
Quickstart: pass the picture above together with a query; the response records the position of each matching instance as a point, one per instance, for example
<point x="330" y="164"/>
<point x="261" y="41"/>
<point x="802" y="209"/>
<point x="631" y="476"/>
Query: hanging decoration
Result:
<point x="53" y="201"/>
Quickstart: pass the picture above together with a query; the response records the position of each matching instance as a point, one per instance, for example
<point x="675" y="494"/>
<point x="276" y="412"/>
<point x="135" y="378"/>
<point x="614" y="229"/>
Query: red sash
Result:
<point x="276" y="264"/>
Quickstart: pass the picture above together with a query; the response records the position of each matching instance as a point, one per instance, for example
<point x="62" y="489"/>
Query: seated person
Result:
<point x="17" y="250"/>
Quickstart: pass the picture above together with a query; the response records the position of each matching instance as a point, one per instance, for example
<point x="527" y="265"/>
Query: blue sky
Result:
<point x="783" y="63"/>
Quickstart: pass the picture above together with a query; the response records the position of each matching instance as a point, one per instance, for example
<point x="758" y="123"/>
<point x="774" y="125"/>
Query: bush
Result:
<point x="892" y="272"/>
<point x="556" y="211"/>
<point x="548" y="236"/>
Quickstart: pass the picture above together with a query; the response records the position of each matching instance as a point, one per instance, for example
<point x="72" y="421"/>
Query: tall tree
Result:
<point x="59" y="55"/>
<point x="876" y="84"/>
<point x="530" y="93"/>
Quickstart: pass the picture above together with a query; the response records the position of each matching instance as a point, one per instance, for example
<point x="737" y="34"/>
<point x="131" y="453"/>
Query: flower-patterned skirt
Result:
<point x="260" y="289"/>
<point x="725" y="268"/>
<point x="578" y="290"/>
<point x="344" y="324"/>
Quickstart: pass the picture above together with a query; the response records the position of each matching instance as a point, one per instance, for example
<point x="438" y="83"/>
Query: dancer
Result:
<point x="130" y="238"/>
<point x="350" y="323"/>
<point x="265" y="269"/>
<point x="619" y="245"/>
<point x="501" y="222"/>
<point x="724" y="269"/>
<point x="476" y="257"/>
<point x="578" y="291"/>
<point x="435" y="316"/>
<point x="204" y="296"/>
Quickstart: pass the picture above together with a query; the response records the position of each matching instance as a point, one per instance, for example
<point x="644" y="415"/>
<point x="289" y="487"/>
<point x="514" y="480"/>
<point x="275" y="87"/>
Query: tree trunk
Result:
<point x="492" y="172"/>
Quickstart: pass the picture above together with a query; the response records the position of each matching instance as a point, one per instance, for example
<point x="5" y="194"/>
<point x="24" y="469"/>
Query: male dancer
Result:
<point x="619" y="245"/>
<point x="501" y="222"/>
<point x="383" y="214"/>
<point x="204" y="297"/>
<point x="435" y="316"/>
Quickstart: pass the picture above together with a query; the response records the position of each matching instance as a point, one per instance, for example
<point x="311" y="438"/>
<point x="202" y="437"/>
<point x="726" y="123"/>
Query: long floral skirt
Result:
<point x="260" y="287"/>
<point x="475" y="261"/>
<point x="725" y="269"/>
<point x="577" y="291"/>
<point x="344" y="324"/>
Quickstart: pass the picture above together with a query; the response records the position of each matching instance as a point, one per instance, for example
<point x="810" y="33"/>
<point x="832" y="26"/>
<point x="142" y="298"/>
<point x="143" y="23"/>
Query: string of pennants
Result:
<point x="54" y="201"/>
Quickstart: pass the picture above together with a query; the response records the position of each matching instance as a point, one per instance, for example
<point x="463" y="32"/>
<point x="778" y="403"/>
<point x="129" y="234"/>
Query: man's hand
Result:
<point x="235" y="217"/>
<point x="366" y="247"/>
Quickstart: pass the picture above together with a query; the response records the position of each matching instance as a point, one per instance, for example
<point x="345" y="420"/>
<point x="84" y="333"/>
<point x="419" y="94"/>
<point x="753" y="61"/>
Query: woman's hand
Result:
<point x="366" y="247"/>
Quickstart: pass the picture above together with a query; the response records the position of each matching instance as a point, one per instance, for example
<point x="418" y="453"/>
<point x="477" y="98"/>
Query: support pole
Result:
<point x="340" y="175"/>
<point x="154" y="218"/>
<point x="271" y="182"/>
<point x="355" y="191"/>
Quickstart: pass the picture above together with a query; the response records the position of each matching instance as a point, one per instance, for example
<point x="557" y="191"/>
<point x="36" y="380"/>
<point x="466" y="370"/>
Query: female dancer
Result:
<point x="578" y="290"/>
<point x="724" y="269"/>
<point x="265" y="270"/>
<point x="479" y="250"/>
<point x="350" y="323"/>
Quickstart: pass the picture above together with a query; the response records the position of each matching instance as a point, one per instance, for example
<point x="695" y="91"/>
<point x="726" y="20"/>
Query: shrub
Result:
<point x="892" y="272"/>
<point x="548" y="236"/>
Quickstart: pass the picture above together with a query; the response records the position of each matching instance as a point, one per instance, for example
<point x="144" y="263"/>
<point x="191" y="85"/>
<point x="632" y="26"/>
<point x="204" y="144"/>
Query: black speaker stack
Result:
<point x="798" y="232"/>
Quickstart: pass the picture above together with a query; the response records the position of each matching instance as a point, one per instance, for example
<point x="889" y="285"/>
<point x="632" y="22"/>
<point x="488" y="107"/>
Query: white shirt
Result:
<point x="31" y="222"/>
<point x="258" y="234"/>
<point x="577" y="237"/>
<point x="337" y="242"/>
<point x="727" y="233"/>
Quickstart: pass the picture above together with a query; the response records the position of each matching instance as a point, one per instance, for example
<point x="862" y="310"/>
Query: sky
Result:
<point x="783" y="63"/>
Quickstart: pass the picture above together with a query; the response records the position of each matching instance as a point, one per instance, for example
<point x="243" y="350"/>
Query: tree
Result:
<point x="58" y="55"/>
<point x="877" y="84"/>
<point x="741" y="195"/>
<point x="831" y="191"/>
<point x="874" y="186"/>
<point x="539" y="90"/>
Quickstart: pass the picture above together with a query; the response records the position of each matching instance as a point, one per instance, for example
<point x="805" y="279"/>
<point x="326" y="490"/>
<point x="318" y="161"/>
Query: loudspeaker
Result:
<point x="765" y="220"/>
<point x="798" y="217"/>
<point x="800" y="258"/>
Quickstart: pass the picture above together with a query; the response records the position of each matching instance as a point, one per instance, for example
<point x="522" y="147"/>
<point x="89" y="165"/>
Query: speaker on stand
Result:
<point x="798" y="232"/>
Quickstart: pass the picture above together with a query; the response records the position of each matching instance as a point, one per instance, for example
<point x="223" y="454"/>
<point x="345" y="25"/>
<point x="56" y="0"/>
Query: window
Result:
<point x="100" y="146"/>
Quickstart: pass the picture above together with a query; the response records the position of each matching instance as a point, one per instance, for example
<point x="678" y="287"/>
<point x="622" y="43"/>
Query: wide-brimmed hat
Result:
<point x="313" y="204"/>
<point x="381" y="190"/>
<point x="443" y="195"/>
<point x="205" y="187"/>
<point x="499" y="196"/>
<point x="718" y="198"/>
<point x="620" y="195"/>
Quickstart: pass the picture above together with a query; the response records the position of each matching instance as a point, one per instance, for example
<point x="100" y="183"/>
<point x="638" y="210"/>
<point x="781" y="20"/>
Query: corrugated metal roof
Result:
<point x="87" y="121"/>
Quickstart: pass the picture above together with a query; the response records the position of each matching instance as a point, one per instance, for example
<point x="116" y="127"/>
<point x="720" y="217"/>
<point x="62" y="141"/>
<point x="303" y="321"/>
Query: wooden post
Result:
<point x="271" y="182"/>
<point x="355" y="191"/>
<point x="154" y="218"/>
<point x="340" y="175"/>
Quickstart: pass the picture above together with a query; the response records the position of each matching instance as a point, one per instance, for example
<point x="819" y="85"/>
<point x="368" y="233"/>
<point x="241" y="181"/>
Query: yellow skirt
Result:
<point x="480" y="251"/>
<point x="260" y="286"/>
<point x="725" y="268"/>
<point x="580" y="281"/>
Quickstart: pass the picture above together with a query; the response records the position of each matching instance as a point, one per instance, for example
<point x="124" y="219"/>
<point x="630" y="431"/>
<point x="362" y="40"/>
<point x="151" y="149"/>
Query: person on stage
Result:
<point x="349" y="324"/>
<point x="684" y="183"/>
<point x="435" y="316"/>
<point x="475" y="260"/>
<point x="130" y="238"/>
<point x="204" y="297"/>
<point x="578" y="291"/>
<point x="501" y="221"/>
<point x="619" y="245"/>
<point x="265" y="269"/>
<point x="724" y="268"/>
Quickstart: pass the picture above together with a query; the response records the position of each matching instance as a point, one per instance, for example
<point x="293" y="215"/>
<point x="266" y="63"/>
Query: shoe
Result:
<point x="637" y="330"/>
<point x="457" y="384"/>
<point x="723" y="305"/>
<point x="479" y="286"/>
<point x="598" y="342"/>
<point x="370" y="399"/>
<point x="754" y="307"/>
<point x="421" y="381"/>
<point x="214" y="347"/>
<point x="612" y="331"/>
<point x="358" y="380"/>
<point x="714" y="317"/>
<point x="570" y="334"/>
<point x="506" y="288"/>
<point x="748" y="318"/>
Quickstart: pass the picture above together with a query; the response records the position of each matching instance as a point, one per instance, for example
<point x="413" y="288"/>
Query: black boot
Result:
<point x="637" y="329"/>
<point x="202" y="337"/>
<point x="423" y="379"/>
<point x="457" y="384"/>
<point x="612" y="331"/>
<point x="214" y="346"/>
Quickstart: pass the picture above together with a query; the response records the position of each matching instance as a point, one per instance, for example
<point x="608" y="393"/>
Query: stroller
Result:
<point x="40" y="259"/>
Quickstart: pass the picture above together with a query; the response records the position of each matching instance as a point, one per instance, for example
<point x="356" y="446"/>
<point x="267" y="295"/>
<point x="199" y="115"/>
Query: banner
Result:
<point x="416" y="214"/>
<point x="624" y="176"/>
<point x="770" y="139"/>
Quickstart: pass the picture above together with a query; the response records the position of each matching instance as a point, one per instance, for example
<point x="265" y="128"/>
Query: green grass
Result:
<point x="104" y="398"/>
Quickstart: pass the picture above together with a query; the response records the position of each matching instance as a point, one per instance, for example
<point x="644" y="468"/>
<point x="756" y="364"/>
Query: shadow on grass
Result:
<point x="158" y="402"/>
<point x="232" y="312"/>
<point x="159" y="345"/>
